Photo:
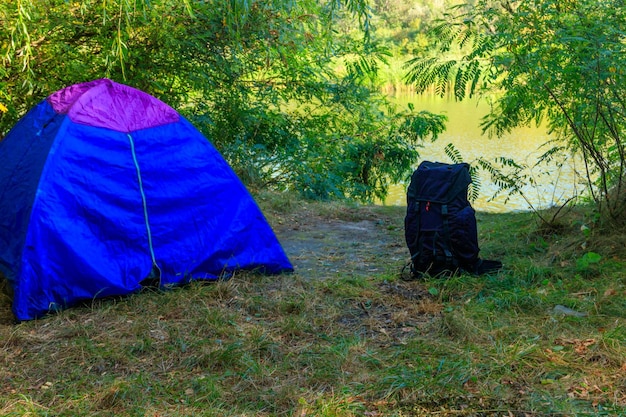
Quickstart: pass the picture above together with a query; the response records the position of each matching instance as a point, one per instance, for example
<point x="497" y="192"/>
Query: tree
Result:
<point x="49" y="44"/>
<point x="257" y="77"/>
<point x="558" y="61"/>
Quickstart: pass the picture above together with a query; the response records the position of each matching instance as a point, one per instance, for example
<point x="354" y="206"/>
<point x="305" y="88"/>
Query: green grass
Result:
<point x="345" y="344"/>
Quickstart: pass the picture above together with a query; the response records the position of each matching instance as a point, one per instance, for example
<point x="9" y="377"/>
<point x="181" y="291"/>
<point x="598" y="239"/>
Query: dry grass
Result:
<point x="344" y="336"/>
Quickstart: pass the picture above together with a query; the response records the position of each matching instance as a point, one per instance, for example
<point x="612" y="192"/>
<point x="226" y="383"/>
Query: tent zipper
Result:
<point x="155" y="273"/>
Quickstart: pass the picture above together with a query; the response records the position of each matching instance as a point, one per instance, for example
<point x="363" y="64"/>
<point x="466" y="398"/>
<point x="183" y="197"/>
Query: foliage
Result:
<point x="553" y="60"/>
<point x="257" y="77"/>
<point x="51" y="44"/>
<point x="403" y="13"/>
<point x="588" y="259"/>
<point x="455" y="156"/>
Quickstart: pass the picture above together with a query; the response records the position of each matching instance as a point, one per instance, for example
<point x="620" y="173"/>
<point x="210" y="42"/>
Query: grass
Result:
<point x="345" y="343"/>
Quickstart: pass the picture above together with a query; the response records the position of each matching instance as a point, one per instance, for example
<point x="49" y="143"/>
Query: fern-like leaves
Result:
<point x="455" y="156"/>
<point x="462" y="60"/>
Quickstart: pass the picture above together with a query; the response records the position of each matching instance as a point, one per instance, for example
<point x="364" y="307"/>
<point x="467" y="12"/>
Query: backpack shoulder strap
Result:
<point x="418" y="219"/>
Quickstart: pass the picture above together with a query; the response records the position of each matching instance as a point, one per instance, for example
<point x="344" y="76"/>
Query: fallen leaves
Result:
<point x="579" y="346"/>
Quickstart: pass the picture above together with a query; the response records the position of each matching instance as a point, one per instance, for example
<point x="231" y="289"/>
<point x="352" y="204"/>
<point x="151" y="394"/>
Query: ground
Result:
<point x="343" y="333"/>
<point x="358" y="241"/>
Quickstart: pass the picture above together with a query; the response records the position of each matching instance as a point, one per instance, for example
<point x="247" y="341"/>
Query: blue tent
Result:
<point x="104" y="189"/>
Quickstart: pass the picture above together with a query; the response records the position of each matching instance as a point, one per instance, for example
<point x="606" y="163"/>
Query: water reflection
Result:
<point x="553" y="184"/>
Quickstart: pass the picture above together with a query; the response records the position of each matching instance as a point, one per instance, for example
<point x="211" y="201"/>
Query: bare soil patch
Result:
<point x="360" y="241"/>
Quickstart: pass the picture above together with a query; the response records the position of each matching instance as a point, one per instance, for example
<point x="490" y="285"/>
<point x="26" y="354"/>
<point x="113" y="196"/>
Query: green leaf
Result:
<point x="588" y="259"/>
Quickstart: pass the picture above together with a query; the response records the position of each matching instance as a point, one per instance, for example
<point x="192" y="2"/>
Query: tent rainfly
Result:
<point x="104" y="189"/>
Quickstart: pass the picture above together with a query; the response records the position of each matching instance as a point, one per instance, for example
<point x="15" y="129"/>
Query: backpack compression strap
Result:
<point x="446" y="235"/>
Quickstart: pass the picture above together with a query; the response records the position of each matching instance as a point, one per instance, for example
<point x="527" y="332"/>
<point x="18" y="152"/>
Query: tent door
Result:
<point x="154" y="277"/>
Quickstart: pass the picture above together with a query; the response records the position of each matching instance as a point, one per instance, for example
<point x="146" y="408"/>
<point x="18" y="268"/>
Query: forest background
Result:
<point x="288" y="91"/>
<point x="293" y="92"/>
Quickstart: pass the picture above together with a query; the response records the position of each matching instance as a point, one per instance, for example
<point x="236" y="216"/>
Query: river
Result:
<point x="553" y="184"/>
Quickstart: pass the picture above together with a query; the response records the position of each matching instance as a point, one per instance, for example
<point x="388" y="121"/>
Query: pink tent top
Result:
<point x="105" y="103"/>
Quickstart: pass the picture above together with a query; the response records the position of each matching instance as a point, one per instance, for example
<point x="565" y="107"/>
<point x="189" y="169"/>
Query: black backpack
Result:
<point x="440" y="224"/>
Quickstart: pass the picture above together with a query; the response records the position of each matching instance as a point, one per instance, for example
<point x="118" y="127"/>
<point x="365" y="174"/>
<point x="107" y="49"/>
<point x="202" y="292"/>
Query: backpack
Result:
<point x="440" y="224"/>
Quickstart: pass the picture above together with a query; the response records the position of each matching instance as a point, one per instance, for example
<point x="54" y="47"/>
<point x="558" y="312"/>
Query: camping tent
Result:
<point x="105" y="189"/>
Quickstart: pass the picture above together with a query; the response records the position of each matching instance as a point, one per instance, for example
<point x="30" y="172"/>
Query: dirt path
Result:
<point x="359" y="241"/>
<point x="368" y="241"/>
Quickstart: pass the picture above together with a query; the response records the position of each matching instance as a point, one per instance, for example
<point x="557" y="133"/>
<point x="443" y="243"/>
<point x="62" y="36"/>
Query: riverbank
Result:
<point x="344" y="335"/>
<point x="543" y="184"/>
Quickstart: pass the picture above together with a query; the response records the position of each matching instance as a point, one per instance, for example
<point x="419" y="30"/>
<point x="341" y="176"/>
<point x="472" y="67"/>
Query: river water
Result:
<point x="553" y="184"/>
